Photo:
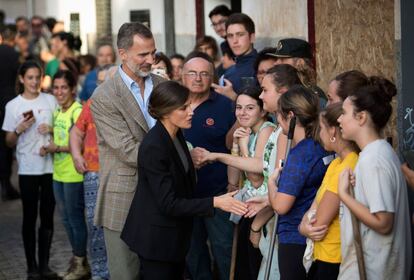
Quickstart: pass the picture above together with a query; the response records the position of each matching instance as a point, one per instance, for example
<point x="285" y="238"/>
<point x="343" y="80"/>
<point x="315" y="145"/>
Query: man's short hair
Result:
<point x="8" y="32"/>
<point x="107" y="44"/>
<point x="220" y="10"/>
<point x="199" y="54"/>
<point x="20" y="18"/>
<point x="128" y="30"/>
<point x="36" y="17"/>
<point x="195" y="54"/>
<point x="262" y="56"/>
<point x="243" y="19"/>
<point x="177" y="56"/>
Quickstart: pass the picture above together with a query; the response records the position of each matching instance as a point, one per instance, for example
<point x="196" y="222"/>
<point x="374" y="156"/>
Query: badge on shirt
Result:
<point x="210" y="121"/>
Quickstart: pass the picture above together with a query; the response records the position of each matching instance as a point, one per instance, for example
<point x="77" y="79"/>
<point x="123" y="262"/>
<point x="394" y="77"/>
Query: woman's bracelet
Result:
<point x="233" y="185"/>
<point x="234" y="152"/>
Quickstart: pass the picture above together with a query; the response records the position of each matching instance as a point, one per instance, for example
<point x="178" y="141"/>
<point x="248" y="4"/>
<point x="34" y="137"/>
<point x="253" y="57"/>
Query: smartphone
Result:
<point x="159" y="71"/>
<point x="247" y="82"/>
<point x="28" y="114"/>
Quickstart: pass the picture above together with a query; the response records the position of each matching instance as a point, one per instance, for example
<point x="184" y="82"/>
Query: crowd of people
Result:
<point x="226" y="163"/>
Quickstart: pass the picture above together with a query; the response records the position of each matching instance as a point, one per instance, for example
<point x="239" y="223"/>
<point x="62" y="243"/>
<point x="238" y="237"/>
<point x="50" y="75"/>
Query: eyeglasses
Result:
<point x="220" y="22"/>
<point x="194" y="74"/>
<point x="236" y="35"/>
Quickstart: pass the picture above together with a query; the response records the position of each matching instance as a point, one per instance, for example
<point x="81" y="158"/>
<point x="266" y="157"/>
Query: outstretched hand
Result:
<point x="255" y="204"/>
<point x="228" y="203"/>
<point x="199" y="157"/>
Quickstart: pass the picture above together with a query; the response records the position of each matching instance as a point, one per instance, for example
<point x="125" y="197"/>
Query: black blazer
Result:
<point x="159" y="222"/>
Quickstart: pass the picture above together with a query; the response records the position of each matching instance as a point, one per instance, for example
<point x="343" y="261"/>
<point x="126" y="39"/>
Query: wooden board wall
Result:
<point x="355" y="34"/>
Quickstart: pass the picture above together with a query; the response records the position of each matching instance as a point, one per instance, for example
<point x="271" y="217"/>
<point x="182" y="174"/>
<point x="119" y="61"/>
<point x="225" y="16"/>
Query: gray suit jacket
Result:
<point x="120" y="127"/>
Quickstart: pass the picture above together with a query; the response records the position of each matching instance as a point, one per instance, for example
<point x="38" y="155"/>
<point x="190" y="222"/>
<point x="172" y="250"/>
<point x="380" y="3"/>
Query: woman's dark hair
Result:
<point x="307" y="72"/>
<point x="67" y="76"/>
<point x="87" y="59"/>
<point x="50" y="23"/>
<point x="329" y="116"/>
<point x="284" y="75"/>
<point x="166" y="97"/>
<point x="22" y="71"/>
<point x="209" y="41"/>
<point x="73" y="66"/>
<point x="226" y="50"/>
<point x="253" y="92"/>
<point x="262" y="56"/>
<point x="305" y="106"/>
<point x="73" y="43"/>
<point x="349" y="82"/>
<point x="160" y="56"/>
<point x="375" y="98"/>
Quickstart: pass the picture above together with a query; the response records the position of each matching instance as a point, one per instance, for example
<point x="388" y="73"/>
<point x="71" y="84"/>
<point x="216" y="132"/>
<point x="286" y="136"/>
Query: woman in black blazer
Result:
<point x="159" y="224"/>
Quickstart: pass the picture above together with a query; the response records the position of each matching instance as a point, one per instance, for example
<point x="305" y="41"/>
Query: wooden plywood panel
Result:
<point x="355" y="34"/>
<point x="278" y="18"/>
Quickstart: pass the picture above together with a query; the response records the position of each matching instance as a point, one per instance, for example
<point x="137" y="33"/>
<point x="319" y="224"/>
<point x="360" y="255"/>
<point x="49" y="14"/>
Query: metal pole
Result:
<point x="291" y="131"/>
<point x="357" y="241"/>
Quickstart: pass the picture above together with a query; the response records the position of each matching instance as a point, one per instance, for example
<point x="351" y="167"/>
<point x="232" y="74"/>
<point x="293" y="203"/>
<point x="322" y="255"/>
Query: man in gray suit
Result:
<point x="120" y="109"/>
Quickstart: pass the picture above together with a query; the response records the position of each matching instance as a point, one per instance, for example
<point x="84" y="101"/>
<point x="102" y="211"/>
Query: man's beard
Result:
<point x="138" y="72"/>
<point x="142" y="74"/>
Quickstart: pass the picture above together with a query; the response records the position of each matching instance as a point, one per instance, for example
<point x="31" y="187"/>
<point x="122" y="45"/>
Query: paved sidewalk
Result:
<point x="12" y="259"/>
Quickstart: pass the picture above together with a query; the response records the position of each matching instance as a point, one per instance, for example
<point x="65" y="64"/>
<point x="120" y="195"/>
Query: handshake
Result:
<point x="201" y="157"/>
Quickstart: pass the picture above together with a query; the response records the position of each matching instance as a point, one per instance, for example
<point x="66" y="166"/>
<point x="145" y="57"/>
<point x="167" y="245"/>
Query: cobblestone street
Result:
<point x="12" y="259"/>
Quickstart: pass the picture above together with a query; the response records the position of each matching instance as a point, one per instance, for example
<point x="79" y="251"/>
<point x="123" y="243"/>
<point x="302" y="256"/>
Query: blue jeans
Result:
<point x="219" y="231"/>
<point x="71" y="205"/>
<point x="97" y="249"/>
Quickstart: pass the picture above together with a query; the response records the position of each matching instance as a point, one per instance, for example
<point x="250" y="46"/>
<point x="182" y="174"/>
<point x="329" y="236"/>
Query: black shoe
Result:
<point x="33" y="275"/>
<point x="45" y="240"/>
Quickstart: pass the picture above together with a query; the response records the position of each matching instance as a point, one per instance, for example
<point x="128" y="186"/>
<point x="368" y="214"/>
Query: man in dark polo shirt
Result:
<point x="213" y="117"/>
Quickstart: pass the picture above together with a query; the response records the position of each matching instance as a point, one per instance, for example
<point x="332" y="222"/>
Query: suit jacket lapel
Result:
<point x="128" y="101"/>
<point x="176" y="157"/>
<point x="190" y="160"/>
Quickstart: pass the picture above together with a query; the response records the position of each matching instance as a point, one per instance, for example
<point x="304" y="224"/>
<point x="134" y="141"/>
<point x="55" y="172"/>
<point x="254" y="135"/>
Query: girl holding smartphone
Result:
<point x="27" y="124"/>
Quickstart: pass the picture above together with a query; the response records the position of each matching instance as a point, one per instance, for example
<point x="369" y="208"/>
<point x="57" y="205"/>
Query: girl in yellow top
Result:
<point x="67" y="182"/>
<point x="324" y="227"/>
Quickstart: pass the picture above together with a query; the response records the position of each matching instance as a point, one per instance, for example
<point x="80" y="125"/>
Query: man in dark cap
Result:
<point x="298" y="53"/>
<point x="289" y="49"/>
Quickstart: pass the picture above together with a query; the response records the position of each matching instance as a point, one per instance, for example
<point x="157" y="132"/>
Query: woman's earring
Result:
<point x="332" y="139"/>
